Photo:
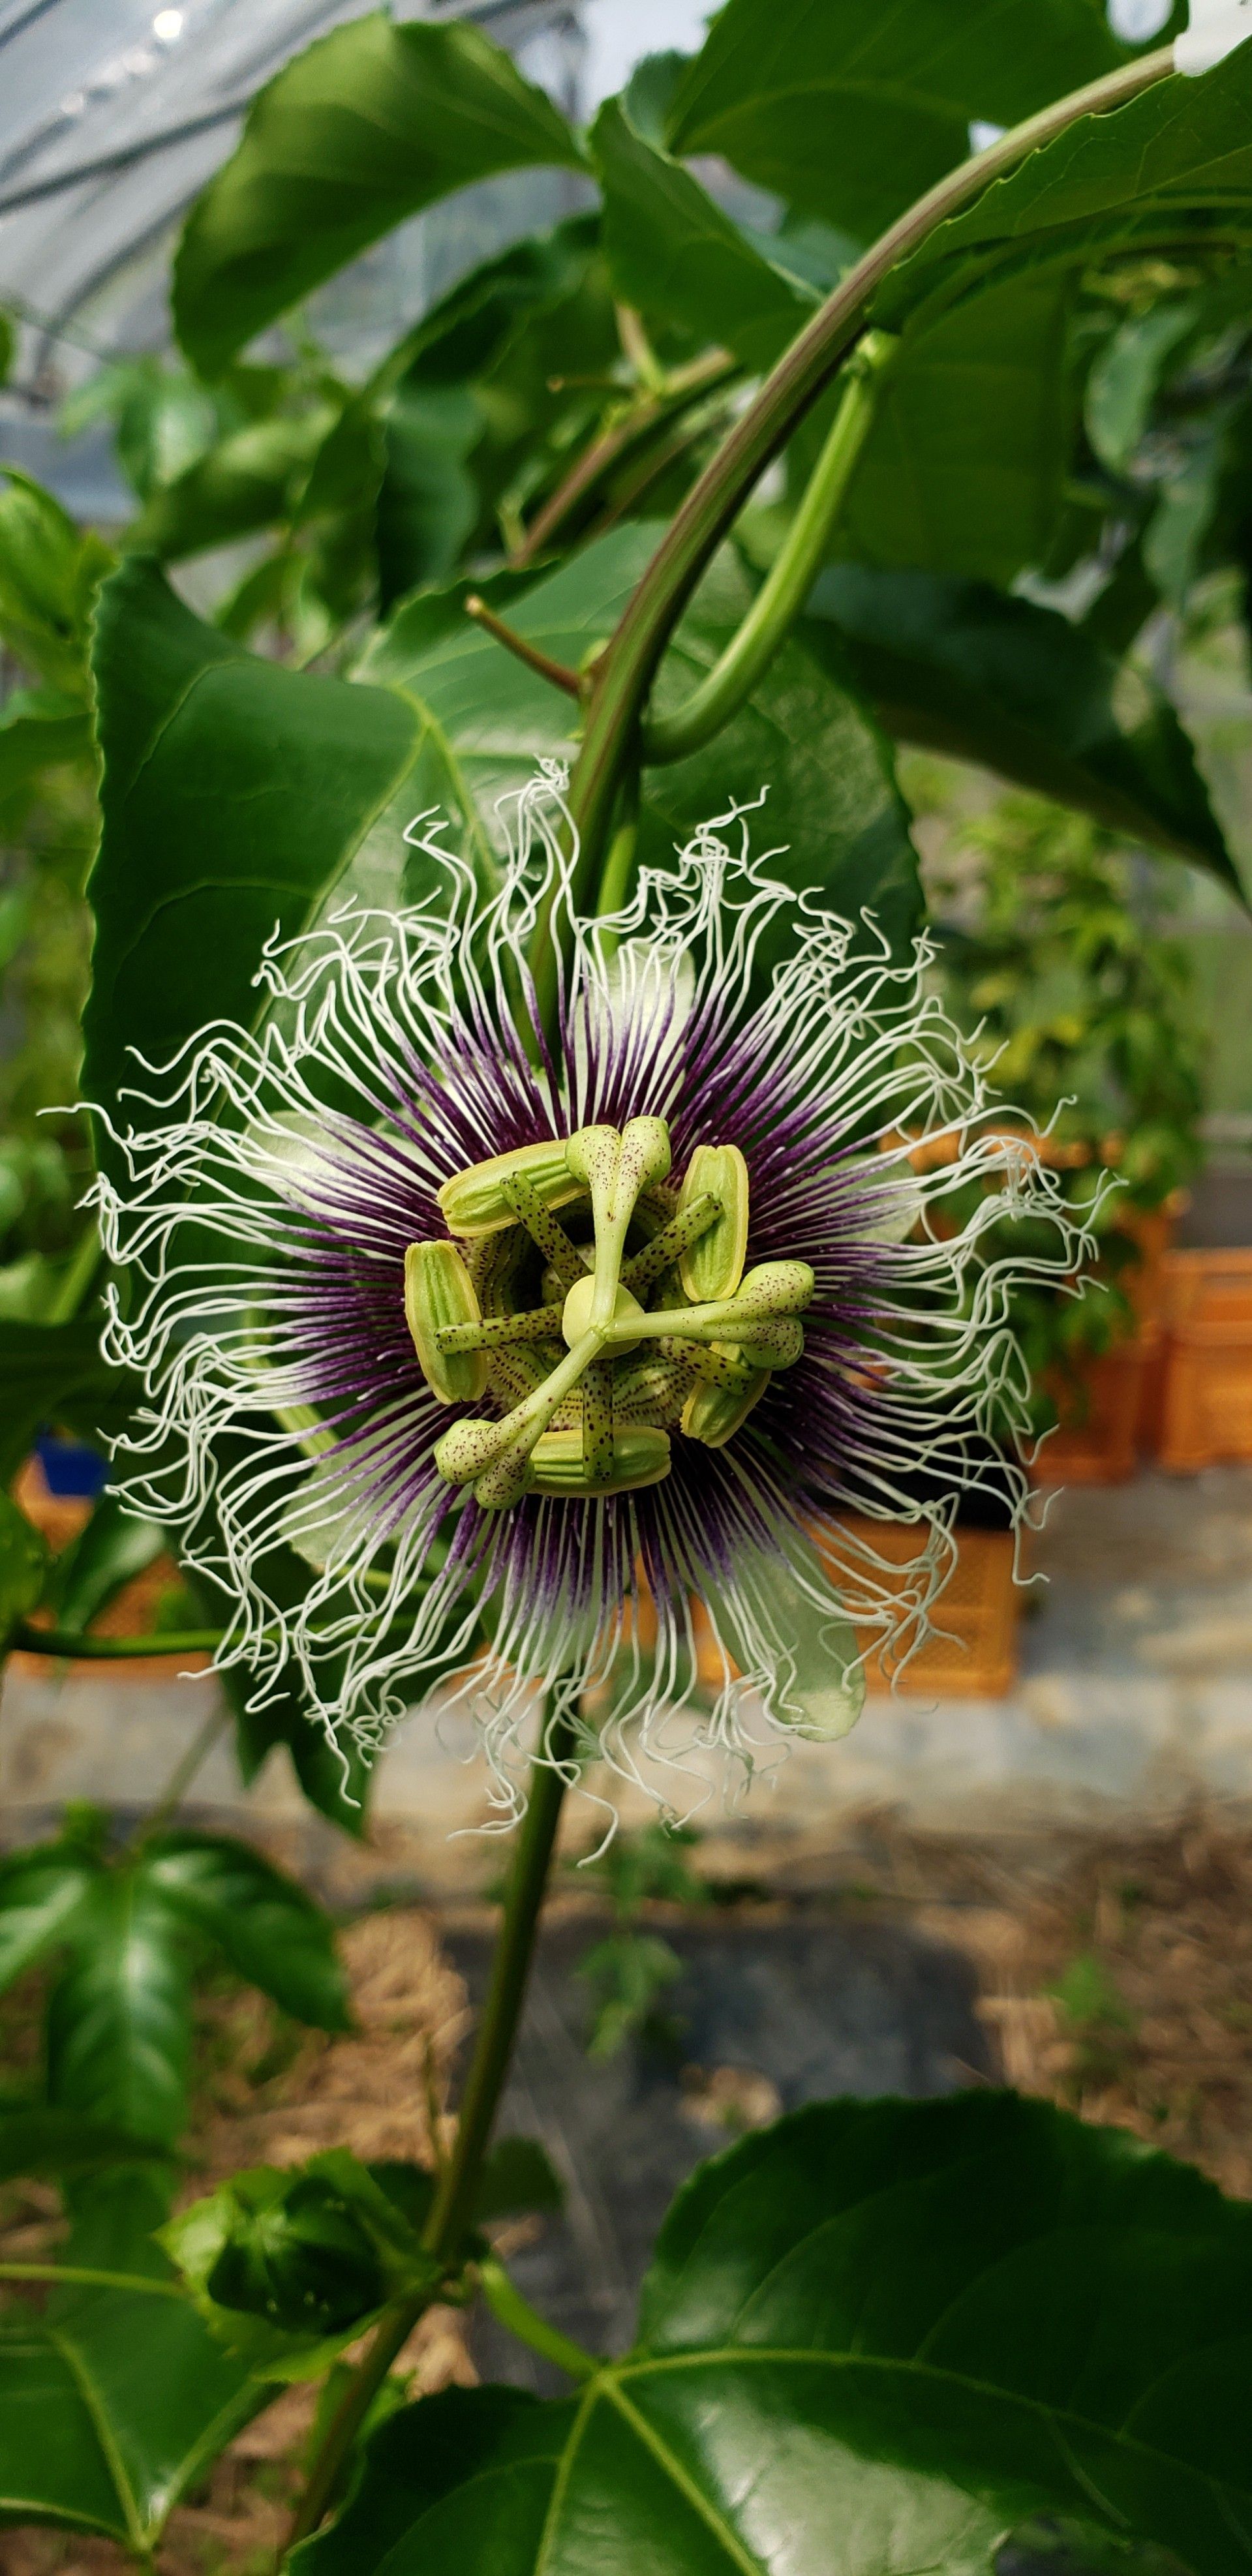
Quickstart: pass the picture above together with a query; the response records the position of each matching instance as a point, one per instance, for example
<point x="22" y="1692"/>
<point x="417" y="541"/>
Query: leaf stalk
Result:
<point x="626" y="672"/>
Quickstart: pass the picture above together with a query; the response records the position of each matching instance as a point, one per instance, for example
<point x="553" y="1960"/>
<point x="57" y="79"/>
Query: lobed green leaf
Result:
<point x="873" y="2338"/>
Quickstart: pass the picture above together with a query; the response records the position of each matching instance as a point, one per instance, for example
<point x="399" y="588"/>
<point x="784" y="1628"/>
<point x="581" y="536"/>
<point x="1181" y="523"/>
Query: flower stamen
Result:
<point x="749" y="1325"/>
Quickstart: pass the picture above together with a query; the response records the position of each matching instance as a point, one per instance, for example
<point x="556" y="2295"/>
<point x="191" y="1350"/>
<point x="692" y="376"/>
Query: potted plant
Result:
<point x="1080" y="1005"/>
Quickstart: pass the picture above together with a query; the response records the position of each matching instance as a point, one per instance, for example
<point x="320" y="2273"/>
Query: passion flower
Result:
<point x="554" y="1357"/>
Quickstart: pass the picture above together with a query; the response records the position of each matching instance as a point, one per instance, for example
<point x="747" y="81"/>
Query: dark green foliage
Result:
<point x="959" y="667"/>
<point x="852" y="117"/>
<point x="876" y="2336"/>
<point x="113" y="2402"/>
<point x="233" y="793"/>
<point x="127" y="1934"/>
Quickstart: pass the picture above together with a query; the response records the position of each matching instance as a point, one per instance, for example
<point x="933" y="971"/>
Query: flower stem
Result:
<point x="626" y="671"/>
<point x="183" y="1773"/>
<point x="67" y="1645"/>
<point x="783" y="593"/>
<point x="91" y="2279"/>
<point x="453" y="2205"/>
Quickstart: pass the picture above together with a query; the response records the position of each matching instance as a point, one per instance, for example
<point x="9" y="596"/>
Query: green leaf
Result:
<point x="108" y="1553"/>
<point x="428" y="498"/>
<point x="873" y="2338"/>
<point x="54" y="1373"/>
<point x="492" y="2464"/>
<point x="49" y="573"/>
<point x="965" y="468"/>
<point x="1123" y="382"/>
<point x="39" y="729"/>
<point x="39" y="2141"/>
<point x="113" y="2404"/>
<point x="484" y="719"/>
<point x="23" y="1565"/>
<point x="672" y="251"/>
<point x="853" y="114"/>
<point x="274" y="1936"/>
<point x="234" y="793"/>
<point x="469" y="327"/>
<point x="371" y="124"/>
<point x="244" y="483"/>
<point x="43" y="1896"/>
<point x="963" y="669"/>
<point x="119" y="2015"/>
<point x="487" y="720"/>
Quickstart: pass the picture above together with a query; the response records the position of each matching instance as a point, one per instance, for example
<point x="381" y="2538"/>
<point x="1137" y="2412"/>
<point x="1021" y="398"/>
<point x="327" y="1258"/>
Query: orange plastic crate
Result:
<point x="1205" y="1411"/>
<point x="976" y="1658"/>
<point x="1099" y="1443"/>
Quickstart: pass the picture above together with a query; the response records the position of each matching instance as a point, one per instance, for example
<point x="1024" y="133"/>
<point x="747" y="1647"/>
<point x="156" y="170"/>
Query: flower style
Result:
<point x="563" y="1363"/>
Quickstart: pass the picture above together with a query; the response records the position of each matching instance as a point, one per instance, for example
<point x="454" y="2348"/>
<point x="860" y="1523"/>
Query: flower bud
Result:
<point x="641" y="1456"/>
<point x="472" y="1201"/>
<point x="439" y="1291"/>
<point x="713" y="1267"/>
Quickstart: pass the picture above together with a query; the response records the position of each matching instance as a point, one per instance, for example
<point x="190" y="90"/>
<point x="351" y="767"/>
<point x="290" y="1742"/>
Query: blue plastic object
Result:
<point x="71" y="1469"/>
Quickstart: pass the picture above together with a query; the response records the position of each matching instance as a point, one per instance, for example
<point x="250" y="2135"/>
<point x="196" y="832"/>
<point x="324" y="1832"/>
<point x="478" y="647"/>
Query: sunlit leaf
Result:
<point x="672" y="251"/>
<point x="369" y="125"/>
<point x="873" y="2339"/>
<point x="852" y="114"/>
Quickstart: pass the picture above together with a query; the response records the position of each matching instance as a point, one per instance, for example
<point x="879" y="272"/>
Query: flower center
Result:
<point x="602" y="1330"/>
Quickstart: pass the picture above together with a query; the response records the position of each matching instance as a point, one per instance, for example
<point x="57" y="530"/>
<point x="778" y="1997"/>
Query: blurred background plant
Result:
<point x="1060" y="958"/>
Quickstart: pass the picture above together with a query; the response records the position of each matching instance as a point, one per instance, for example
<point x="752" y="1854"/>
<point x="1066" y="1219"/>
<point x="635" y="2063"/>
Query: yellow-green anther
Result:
<point x="640" y="1456"/>
<point x="577" y="1312"/>
<point x="777" y="1342"/>
<point x="777" y="1288"/>
<point x="666" y="1247"/>
<point x="543" y="1229"/>
<point x="494" y="1332"/>
<point x="474" y="1201"/>
<point x="438" y="1291"/>
<point x="504" y="1482"/>
<point x="466" y="1449"/>
<point x="713" y="1414"/>
<point x="712" y="1266"/>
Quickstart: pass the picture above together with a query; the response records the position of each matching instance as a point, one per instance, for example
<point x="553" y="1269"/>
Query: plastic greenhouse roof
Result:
<point x="113" y="113"/>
